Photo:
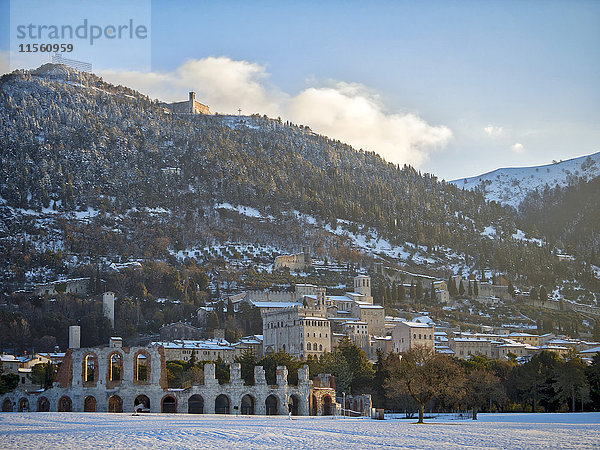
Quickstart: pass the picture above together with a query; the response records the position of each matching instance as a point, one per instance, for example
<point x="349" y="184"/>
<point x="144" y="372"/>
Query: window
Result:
<point x="321" y="347"/>
<point x="308" y="346"/>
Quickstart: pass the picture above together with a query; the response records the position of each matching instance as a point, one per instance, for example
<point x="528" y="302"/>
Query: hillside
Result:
<point x="95" y="173"/>
<point x="510" y="186"/>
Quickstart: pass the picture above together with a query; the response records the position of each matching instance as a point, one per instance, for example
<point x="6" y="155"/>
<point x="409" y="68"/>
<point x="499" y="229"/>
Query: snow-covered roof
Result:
<point x="275" y="304"/>
<point x="208" y="344"/>
<point x="416" y="324"/>
<point x="340" y="298"/>
<point x="365" y="305"/>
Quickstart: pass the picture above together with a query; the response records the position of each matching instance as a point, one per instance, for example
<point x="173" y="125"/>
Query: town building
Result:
<point x="179" y="330"/>
<point x="408" y="335"/>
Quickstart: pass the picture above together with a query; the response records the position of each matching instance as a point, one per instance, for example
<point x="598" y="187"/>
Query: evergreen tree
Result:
<point x="419" y="289"/>
<point x="543" y="294"/>
<point x="461" y="288"/>
<point x="533" y="294"/>
<point x="476" y="289"/>
<point x="401" y="292"/>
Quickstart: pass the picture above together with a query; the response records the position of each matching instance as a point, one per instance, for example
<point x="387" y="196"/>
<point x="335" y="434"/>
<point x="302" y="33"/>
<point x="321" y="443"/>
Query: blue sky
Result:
<point x="458" y="88"/>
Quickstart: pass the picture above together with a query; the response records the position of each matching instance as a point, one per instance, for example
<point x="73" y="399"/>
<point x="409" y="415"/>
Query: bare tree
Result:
<point x="424" y="375"/>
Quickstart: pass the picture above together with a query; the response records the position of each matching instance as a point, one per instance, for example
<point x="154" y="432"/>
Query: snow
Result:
<point x="509" y="186"/>
<point x="102" y="430"/>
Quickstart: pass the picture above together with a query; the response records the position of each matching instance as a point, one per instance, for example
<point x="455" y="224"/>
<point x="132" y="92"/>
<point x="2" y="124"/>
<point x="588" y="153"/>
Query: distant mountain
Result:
<point x="510" y="186"/>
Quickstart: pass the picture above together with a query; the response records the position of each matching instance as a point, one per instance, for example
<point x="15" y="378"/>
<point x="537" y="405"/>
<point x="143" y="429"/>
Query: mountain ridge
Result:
<point x="510" y="185"/>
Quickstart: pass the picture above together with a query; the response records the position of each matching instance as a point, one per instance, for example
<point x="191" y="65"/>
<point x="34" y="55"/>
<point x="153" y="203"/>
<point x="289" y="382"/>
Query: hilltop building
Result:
<point x="191" y="106"/>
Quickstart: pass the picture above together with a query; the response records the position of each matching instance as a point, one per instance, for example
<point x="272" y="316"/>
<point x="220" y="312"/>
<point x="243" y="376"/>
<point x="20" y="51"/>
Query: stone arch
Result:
<point x="294" y="404"/>
<point x="169" y="404"/>
<point x="23" y="404"/>
<point x="141" y="367"/>
<point x="327" y="406"/>
<point x="222" y="404"/>
<point x="271" y="405"/>
<point x="43" y="404"/>
<point x="114" y="374"/>
<point x="89" y="404"/>
<point x="7" y="405"/>
<point x="89" y="369"/>
<point x="115" y="404"/>
<point x="142" y="400"/>
<point x="196" y="404"/>
<point x="247" y="405"/>
<point x="65" y="404"/>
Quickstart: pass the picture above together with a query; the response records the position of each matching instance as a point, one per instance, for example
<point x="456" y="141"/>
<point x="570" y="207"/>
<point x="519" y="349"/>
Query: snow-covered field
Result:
<point x="101" y="430"/>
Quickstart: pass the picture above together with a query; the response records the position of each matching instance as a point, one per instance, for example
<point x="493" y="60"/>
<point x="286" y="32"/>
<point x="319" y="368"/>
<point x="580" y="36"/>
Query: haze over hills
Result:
<point x="510" y="186"/>
<point x="96" y="172"/>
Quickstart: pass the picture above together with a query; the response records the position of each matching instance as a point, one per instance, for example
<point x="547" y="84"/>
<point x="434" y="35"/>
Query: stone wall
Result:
<point x="101" y="393"/>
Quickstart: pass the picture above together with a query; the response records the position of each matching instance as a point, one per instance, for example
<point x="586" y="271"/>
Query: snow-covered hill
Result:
<point x="509" y="186"/>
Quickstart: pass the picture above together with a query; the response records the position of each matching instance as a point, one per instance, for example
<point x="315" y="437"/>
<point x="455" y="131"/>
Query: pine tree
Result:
<point x="543" y="294"/>
<point x="533" y="294"/>
<point x="461" y="288"/>
<point x="419" y="290"/>
<point x="476" y="289"/>
<point x="401" y="292"/>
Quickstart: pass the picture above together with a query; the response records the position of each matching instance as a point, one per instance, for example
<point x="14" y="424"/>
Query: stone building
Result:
<point x="179" y="330"/>
<point x="203" y="350"/>
<point x="299" y="330"/>
<point x="408" y="335"/>
<point x="466" y="347"/>
<point x="122" y="379"/>
<point x="191" y="106"/>
<point x="298" y="261"/>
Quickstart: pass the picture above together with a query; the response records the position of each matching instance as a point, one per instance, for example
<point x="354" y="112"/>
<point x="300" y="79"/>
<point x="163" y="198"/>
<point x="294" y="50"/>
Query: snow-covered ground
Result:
<point x="101" y="430"/>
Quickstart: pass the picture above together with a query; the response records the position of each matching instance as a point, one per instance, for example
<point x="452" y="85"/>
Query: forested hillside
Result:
<point x="95" y="170"/>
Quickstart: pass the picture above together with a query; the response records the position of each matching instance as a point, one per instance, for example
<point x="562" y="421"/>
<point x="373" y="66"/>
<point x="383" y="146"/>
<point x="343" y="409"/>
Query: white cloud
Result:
<point x="344" y="111"/>
<point x="492" y="130"/>
<point x="517" y="147"/>
<point x="350" y="113"/>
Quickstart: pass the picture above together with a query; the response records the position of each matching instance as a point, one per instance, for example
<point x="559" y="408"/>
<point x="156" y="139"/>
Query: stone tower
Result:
<point x="74" y="336"/>
<point x="362" y="285"/>
<point x="108" y="307"/>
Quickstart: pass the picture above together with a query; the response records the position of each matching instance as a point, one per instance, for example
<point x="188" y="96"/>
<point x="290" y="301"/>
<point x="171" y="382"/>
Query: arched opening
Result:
<point x="43" y="404"/>
<point x="65" y="404"/>
<point x="196" y="404"/>
<point x="89" y="404"/>
<point x="23" y="405"/>
<point x="222" y="404"/>
<point x="327" y="410"/>
<point x="90" y="374"/>
<point x="7" y="405"/>
<point x="169" y="404"/>
<point x="142" y="363"/>
<point x="294" y="404"/>
<point x="247" y="405"/>
<point x="115" y="404"/>
<point x="115" y="365"/>
<point x="141" y="404"/>
<point x="271" y="405"/>
<point x="314" y="406"/>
